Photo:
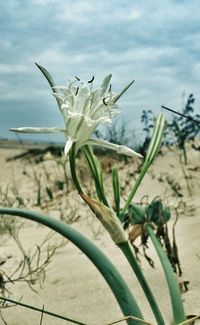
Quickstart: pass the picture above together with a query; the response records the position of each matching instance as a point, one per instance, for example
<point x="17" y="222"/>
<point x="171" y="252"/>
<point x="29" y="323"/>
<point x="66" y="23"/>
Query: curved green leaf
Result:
<point x="114" y="279"/>
<point x="175" y="295"/>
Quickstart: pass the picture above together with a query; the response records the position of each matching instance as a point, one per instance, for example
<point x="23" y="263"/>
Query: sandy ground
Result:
<point x="73" y="287"/>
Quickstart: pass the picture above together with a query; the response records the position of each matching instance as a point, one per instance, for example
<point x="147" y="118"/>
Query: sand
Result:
<point x="73" y="287"/>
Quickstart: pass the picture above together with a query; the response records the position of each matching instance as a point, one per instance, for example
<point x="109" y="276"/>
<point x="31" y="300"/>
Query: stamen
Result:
<point x="77" y="78"/>
<point x="77" y="89"/>
<point x="109" y="90"/>
<point x="90" y="81"/>
<point x="91" y="101"/>
<point x="104" y="101"/>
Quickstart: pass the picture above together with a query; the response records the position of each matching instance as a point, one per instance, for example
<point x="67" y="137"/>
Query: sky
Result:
<point x="156" y="43"/>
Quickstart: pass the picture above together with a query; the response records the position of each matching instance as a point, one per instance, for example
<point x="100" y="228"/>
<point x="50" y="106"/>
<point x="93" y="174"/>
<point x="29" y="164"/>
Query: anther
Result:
<point x="77" y="78"/>
<point x="109" y="90"/>
<point x="90" y="81"/>
<point x="104" y="101"/>
<point x="77" y="89"/>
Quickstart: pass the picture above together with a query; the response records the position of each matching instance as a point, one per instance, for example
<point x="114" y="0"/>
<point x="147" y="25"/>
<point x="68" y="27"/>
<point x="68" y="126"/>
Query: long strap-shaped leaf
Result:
<point x="156" y="140"/>
<point x="114" y="279"/>
<point x="126" y="249"/>
<point x="116" y="189"/>
<point x="176" y="301"/>
<point x="152" y="151"/>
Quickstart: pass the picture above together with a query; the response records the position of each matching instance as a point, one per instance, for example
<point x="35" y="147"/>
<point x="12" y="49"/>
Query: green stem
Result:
<point x="116" y="190"/>
<point x="72" y="163"/>
<point x="111" y="275"/>
<point x="126" y="249"/>
<point x="134" y="189"/>
<point x="175" y="295"/>
<point x="94" y="170"/>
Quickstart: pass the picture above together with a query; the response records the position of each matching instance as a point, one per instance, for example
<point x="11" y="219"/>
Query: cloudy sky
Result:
<point x="156" y="43"/>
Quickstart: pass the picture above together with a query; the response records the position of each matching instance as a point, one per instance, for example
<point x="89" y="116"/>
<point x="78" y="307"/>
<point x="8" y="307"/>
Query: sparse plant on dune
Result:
<point x="182" y="131"/>
<point x="184" y="127"/>
<point x="147" y="120"/>
<point x="30" y="265"/>
<point x="158" y="214"/>
<point x="83" y="109"/>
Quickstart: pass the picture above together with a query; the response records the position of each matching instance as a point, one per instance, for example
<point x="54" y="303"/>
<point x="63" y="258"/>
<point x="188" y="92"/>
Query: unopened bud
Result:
<point x="108" y="219"/>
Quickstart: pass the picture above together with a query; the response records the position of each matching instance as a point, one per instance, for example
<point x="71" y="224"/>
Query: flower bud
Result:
<point x="108" y="219"/>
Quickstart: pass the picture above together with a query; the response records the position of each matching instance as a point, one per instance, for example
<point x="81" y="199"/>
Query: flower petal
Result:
<point x="115" y="98"/>
<point x="37" y="130"/>
<point x="68" y="146"/>
<point x="105" y="84"/>
<point x="50" y="81"/>
<point x="119" y="148"/>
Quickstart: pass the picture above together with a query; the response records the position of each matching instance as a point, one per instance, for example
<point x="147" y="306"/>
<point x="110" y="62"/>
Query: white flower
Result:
<point x="83" y="109"/>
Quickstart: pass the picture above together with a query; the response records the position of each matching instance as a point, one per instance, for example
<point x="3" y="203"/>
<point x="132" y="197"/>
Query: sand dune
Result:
<point x="73" y="287"/>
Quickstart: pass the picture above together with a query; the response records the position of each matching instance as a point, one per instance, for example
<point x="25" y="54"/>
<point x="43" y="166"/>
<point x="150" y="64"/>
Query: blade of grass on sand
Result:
<point x="183" y="115"/>
<point x="43" y="311"/>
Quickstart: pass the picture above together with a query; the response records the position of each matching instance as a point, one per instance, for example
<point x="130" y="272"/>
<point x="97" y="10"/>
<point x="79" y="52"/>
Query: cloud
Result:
<point x="44" y="2"/>
<point x="132" y="14"/>
<point x="78" y="12"/>
<point x="87" y="13"/>
<point x="157" y="45"/>
<point x="13" y="68"/>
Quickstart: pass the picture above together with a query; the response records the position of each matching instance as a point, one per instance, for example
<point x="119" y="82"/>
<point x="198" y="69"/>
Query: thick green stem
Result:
<point x="72" y="163"/>
<point x="95" y="174"/>
<point x="114" y="279"/>
<point x="175" y="295"/>
<point x="126" y="249"/>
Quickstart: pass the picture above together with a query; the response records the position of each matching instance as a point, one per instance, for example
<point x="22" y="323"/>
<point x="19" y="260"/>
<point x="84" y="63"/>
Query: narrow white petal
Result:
<point x="115" y="99"/>
<point x="68" y="146"/>
<point x="37" y="130"/>
<point x="119" y="148"/>
<point x="105" y="84"/>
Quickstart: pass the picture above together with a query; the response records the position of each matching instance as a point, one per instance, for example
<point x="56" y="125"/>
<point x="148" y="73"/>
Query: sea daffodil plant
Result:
<point x="83" y="109"/>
